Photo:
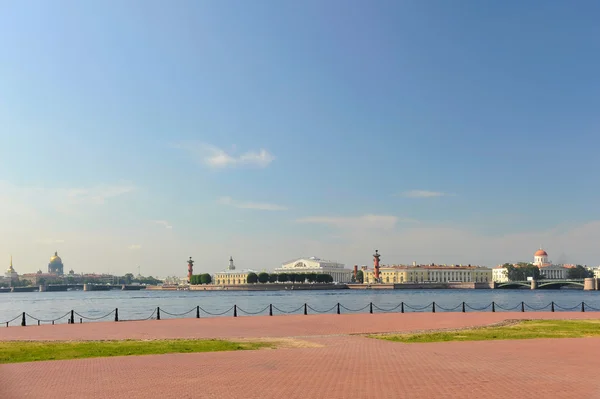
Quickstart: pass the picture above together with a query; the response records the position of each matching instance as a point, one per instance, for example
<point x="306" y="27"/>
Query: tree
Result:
<point x="263" y="277"/>
<point x="300" y="277"/>
<point x="128" y="278"/>
<point x="272" y="278"/>
<point x="195" y="279"/>
<point x="282" y="277"/>
<point x="292" y="277"/>
<point x="311" y="277"/>
<point x="360" y="277"/>
<point x="205" y="278"/>
<point x="579" y="272"/>
<point x="328" y="278"/>
<point x="252" y="278"/>
<point x="321" y="278"/>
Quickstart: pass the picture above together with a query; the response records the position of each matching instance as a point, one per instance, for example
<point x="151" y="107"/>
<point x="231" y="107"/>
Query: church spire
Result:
<point x="11" y="262"/>
<point x="231" y="265"/>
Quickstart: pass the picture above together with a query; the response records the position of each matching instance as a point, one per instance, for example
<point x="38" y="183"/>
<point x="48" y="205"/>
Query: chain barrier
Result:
<point x="49" y="320"/>
<point x="573" y="308"/>
<point x="477" y="309"/>
<point x="448" y="309"/>
<point x="352" y="310"/>
<point x="419" y="308"/>
<point x="430" y="307"/>
<point x="252" y="313"/>
<point x="218" y="314"/>
<point x="177" y="314"/>
<point x="322" y="311"/>
<point x="590" y="307"/>
<point x="288" y="312"/>
<point x="537" y="309"/>
<point x="386" y="310"/>
<point x="94" y="318"/>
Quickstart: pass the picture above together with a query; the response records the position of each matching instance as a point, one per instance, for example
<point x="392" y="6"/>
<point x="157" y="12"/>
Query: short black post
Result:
<point x="198" y="311"/>
<point x="23" y="323"/>
<point x="583" y="306"/>
<point x="402" y="307"/>
<point x="433" y="307"/>
<point x="552" y="307"/>
<point x="463" y="307"/>
<point x="371" y="308"/>
<point x="493" y="306"/>
<point x="305" y="310"/>
<point x="522" y="306"/>
<point x="116" y="314"/>
<point x="338" y="308"/>
<point x="52" y="322"/>
<point x="38" y="322"/>
<point x="271" y="309"/>
<point x="80" y="320"/>
<point x="72" y="317"/>
<point x="158" y="313"/>
<point x="234" y="310"/>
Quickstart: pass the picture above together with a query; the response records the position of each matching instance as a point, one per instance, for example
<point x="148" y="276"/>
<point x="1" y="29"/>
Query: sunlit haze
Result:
<point x="141" y="133"/>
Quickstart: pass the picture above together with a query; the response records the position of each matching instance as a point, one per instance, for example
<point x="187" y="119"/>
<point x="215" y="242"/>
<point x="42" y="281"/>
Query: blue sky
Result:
<point x="434" y="131"/>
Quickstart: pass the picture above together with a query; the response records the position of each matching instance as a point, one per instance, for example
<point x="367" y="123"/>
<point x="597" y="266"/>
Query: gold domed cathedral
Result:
<point x="56" y="265"/>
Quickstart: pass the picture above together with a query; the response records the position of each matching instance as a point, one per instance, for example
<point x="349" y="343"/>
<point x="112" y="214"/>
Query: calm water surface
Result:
<point x="142" y="304"/>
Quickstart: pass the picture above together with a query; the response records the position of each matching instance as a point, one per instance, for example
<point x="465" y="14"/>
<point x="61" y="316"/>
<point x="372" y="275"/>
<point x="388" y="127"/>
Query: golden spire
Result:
<point x="11" y="261"/>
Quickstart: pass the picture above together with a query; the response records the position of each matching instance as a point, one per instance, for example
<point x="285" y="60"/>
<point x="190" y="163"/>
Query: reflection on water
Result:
<point x="141" y="304"/>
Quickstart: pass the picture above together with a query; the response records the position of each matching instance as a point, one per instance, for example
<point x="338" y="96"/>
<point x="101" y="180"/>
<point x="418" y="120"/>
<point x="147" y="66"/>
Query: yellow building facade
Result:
<point x="428" y="274"/>
<point x="231" y="277"/>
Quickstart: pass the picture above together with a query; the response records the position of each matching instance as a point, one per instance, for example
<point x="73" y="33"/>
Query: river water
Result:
<point x="142" y="304"/>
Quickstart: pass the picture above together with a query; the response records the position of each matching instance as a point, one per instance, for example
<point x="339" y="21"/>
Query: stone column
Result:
<point x="42" y="288"/>
<point x="534" y="284"/>
<point x="589" y="284"/>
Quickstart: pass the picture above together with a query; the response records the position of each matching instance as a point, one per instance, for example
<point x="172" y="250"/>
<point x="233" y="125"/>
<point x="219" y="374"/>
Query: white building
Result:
<point x="316" y="265"/>
<point x="500" y="274"/>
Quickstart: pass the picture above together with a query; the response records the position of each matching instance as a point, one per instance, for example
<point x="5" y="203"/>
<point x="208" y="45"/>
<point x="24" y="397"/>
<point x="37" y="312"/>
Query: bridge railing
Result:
<point x="71" y="317"/>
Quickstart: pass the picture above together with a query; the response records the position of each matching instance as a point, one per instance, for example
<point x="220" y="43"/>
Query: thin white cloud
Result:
<point x="384" y="222"/>
<point x="218" y="158"/>
<point x="163" y="223"/>
<point x="98" y="194"/>
<point x="251" y="205"/>
<point x="134" y="247"/>
<point x="50" y="241"/>
<point x="424" y="194"/>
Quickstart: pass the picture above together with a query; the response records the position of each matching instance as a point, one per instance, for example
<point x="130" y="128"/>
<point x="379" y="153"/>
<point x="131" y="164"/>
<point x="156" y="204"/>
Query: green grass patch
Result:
<point x="31" y="351"/>
<point x="529" y="329"/>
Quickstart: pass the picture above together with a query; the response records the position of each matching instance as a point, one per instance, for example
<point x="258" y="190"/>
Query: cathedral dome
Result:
<point x="541" y="252"/>
<point x="55" y="258"/>
<point x="56" y="264"/>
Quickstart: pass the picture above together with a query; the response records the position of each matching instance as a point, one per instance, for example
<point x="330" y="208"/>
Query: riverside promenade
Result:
<point x="324" y="357"/>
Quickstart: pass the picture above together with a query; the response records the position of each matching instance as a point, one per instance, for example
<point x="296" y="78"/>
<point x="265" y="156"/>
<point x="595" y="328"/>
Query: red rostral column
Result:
<point x="376" y="264"/>
<point x="190" y="269"/>
<point x="355" y="271"/>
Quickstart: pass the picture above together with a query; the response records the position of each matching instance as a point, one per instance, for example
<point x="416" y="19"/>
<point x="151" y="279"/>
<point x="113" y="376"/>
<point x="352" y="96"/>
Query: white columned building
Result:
<point x="316" y="265"/>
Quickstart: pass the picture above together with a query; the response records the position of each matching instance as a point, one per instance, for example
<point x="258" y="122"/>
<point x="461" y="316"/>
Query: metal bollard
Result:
<point x="402" y="307"/>
<point x="371" y="308"/>
<point x="522" y="306"/>
<point x="338" y="308"/>
<point x="52" y="322"/>
<point x="72" y="317"/>
<point x="158" y="313"/>
<point x="80" y="320"/>
<point x="583" y="306"/>
<point x="38" y="322"/>
<point x="552" y="307"/>
<point x="197" y="312"/>
<point x="305" y="310"/>
<point x="271" y="309"/>
<point x="116" y="314"/>
<point x="23" y="323"/>
<point x="463" y="307"/>
<point x="234" y="310"/>
<point x="433" y="307"/>
<point x="493" y="306"/>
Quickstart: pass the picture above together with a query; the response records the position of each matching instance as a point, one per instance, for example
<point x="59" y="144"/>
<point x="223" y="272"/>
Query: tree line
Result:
<point x="204" y="278"/>
<point x="264" y="278"/>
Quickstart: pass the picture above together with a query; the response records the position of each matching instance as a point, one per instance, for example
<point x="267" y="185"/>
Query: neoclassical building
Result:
<point x="397" y="274"/>
<point x="232" y="276"/>
<point x="317" y="265"/>
<point x="540" y="259"/>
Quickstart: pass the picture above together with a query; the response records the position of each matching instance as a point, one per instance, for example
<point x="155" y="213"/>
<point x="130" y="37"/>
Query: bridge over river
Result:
<point x="588" y="284"/>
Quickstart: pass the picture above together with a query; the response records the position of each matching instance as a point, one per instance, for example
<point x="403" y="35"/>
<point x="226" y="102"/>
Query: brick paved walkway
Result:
<point x="341" y="366"/>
